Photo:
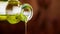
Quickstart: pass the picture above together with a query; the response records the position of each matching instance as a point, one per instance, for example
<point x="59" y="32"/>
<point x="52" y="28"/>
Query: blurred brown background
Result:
<point x="46" y="19"/>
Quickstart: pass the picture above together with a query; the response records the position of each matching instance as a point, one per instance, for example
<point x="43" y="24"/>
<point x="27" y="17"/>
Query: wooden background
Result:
<point x="46" y="19"/>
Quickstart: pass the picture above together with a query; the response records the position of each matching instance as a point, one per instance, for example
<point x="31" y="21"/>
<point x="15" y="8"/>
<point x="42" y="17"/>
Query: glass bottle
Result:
<point x="14" y="12"/>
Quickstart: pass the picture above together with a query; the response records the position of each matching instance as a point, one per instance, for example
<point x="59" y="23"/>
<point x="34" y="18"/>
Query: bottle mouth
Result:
<point x="27" y="11"/>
